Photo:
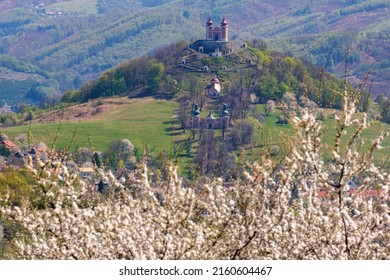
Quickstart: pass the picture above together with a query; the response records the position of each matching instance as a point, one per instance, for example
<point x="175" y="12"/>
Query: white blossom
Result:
<point x="301" y="209"/>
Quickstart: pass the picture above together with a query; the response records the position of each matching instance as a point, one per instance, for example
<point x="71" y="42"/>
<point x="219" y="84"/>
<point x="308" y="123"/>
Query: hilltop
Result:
<point x="67" y="43"/>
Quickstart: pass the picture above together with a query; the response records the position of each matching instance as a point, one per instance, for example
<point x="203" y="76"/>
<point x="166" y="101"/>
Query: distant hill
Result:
<point x="67" y="43"/>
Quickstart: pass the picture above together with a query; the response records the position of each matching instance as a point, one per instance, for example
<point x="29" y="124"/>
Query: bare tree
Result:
<point x="183" y="115"/>
<point x="238" y="99"/>
<point x="206" y="155"/>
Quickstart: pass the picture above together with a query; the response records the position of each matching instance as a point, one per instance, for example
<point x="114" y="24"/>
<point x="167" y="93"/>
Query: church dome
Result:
<point x="225" y="111"/>
<point x="210" y="22"/>
<point x="224" y="22"/>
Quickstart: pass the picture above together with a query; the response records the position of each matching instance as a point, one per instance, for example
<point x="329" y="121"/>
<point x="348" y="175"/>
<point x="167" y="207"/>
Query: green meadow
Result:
<point x="147" y="124"/>
<point x="277" y="134"/>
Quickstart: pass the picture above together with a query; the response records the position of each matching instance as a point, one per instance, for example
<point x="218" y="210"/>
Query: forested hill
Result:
<point x="253" y="70"/>
<point x="66" y="43"/>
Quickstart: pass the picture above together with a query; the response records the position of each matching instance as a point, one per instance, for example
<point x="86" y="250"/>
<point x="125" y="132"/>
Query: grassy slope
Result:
<point x="369" y="135"/>
<point x="143" y="121"/>
<point x="280" y="134"/>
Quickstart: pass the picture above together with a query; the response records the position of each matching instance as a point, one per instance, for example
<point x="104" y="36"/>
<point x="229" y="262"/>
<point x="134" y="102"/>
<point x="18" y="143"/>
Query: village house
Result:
<point x="9" y="144"/>
<point x="86" y="171"/>
<point x="38" y="152"/>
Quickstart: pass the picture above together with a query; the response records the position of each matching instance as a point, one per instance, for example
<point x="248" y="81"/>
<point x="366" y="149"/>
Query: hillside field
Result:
<point x="76" y="6"/>
<point x="145" y="122"/>
<point x="150" y="123"/>
<point x="281" y="133"/>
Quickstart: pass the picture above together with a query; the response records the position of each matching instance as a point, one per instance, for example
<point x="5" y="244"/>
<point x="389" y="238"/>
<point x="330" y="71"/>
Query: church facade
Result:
<point x="217" y="33"/>
<point x="217" y="41"/>
<point x="211" y="121"/>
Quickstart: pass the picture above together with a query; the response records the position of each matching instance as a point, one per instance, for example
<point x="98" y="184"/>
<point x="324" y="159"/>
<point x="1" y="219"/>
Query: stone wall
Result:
<point x="210" y="47"/>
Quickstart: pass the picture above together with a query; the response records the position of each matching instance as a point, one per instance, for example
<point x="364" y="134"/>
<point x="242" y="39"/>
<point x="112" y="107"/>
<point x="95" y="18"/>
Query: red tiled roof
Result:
<point x="8" y="144"/>
<point x="376" y="193"/>
<point x="86" y="170"/>
<point x="215" y="80"/>
<point x="322" y="194"/>
<point x="363" y="193"/>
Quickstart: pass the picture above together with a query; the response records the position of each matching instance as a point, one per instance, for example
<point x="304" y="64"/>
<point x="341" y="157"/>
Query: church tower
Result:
<point x="209" y="30"/>
<point x="218" y="33"/>
<point x="225" y="30"/>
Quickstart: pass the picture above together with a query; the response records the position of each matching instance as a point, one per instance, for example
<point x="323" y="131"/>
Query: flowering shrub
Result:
<point x="273" y="212"/>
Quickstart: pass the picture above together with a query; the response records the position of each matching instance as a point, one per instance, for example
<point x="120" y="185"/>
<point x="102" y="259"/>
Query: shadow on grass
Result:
<point x="173" y="129"/>
<point x="147" y="93"/>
